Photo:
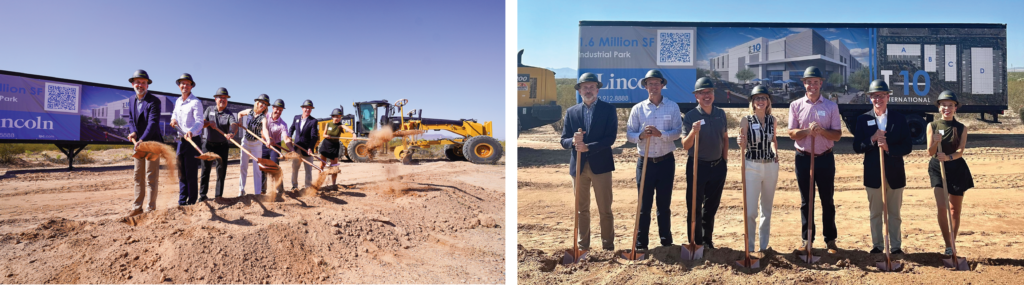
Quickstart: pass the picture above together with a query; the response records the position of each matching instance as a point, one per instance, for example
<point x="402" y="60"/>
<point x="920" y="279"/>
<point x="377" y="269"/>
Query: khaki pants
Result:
<point x="894" y="201"/>
<point x="603" y="194"/>
<point x="144" y="170"/>
<point x="762" y="179"/>
<point x="295" y="170"/>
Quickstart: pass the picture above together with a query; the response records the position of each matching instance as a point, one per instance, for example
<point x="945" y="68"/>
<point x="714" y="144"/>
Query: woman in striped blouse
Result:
<point x="757" y="137"/>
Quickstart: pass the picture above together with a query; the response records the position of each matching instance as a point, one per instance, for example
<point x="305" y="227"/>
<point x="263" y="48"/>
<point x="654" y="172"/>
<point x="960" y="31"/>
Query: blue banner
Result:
<point x="38" y="126"/>
<point x="622" y="85"/>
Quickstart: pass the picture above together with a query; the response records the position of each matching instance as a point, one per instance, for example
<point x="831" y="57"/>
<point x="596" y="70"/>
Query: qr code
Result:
<point x="675" y="47"/>
<point x="62" y="98"/>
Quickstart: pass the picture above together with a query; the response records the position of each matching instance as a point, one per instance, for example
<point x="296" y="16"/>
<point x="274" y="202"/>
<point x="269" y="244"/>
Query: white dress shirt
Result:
<point x="189" y="114"/>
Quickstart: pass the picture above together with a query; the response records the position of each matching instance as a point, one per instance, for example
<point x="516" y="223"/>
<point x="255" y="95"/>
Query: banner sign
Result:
<point x="35" y="109"/>
<point x="918" y="61"/>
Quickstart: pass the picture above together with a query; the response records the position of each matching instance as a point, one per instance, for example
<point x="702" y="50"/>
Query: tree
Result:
<point x="96" y="121"/>
<point x="745" y="74"/>
<point x="120" y="122"/>
<point x="859" y="79"/>
<point x="836" y="79"/>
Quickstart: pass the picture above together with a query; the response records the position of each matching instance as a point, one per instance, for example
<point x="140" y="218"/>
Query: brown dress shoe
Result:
<point x="832" y="248"/>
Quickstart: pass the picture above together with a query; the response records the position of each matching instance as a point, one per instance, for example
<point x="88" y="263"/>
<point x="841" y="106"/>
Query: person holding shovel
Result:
<point x="656" y="119"/>
<point x="306" y="132"/>
<point x="600" y="126"/>
<point x="887" y="131"/>
<point x="143" y="119"/>
<point x="331" y="147"/>
<point x="757" y="137"/>
<point x="813" y="118"/>
<point x="276" y="131"/>
<point x="709" y="121"/>
<point x="253" y="121"/>
<point x="187" y="119"/>
<point x="952" y="136"/>
<point x="223" y="119"/>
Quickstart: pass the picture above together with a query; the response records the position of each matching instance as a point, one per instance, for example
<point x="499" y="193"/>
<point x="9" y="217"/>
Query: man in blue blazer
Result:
<point x="600" y="126"/>
<point x="883" y="130"/>
<point x="143" y="115"/>
<point x="307" y="136"/>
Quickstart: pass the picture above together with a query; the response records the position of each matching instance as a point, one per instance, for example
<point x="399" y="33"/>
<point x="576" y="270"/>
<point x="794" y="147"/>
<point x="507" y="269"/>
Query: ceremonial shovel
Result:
<point x="810" y="258"/>
<point x="693" y="251"/>
<point x="264" y="164"/>
<point x="955" y="262"/>
<point x="747" y="261"/>
<point x="888" y="264"/>
<point x="575" y="254"/>
<point x="633" y="255"/>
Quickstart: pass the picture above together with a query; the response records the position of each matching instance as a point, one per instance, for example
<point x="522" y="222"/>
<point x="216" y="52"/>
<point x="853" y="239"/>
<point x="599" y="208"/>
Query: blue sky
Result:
<point x="549" y="30"/>
<point x="446" y="57"/>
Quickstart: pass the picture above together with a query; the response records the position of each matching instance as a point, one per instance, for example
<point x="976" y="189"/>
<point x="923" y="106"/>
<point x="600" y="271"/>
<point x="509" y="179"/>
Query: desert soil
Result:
<point x="434" y="222"/>
<point x="991" y="234"/>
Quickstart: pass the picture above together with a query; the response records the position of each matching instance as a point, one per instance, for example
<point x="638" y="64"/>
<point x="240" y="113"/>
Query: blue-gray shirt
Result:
<point x="711" y="133"/>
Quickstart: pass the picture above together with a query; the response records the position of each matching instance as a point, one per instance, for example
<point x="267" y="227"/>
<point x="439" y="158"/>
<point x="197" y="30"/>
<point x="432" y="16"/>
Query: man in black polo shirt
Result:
<point x="710" y="122"/>
<point x="217" y="117"/>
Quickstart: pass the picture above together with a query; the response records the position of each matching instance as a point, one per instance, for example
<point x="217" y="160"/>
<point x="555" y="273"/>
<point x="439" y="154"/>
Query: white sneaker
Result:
<point x="241" y="193"/>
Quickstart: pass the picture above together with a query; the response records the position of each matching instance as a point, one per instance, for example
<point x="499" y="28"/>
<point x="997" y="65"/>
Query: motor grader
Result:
<point x="476" y="144"/>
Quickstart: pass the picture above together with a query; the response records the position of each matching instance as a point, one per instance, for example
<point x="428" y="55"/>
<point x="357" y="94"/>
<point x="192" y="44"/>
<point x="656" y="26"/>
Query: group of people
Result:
<point x="814" y="126"/>
<point x="215" y="129"/>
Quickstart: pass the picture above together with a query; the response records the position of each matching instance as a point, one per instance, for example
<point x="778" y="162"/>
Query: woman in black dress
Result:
<point x="952" y="135"/>
<point x="330" y="148"/>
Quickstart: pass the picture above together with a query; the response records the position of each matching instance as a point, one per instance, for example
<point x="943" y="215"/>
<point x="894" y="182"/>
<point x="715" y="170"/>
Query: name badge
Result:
<point x="871" y="123"/>
<point x="755" y="126"/>
<point x="701" y="122"/>
<point x="667" y="117"/>
<point x="942" y="132"/>
<point x="821" y="113"/>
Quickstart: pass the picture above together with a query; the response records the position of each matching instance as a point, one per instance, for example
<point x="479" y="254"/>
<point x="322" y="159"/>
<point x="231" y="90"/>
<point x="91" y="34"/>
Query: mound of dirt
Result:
<point x="70" y="231"/>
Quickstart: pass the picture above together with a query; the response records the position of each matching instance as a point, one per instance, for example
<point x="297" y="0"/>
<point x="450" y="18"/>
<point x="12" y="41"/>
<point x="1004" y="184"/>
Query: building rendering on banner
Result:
<point x="786" y="58"/>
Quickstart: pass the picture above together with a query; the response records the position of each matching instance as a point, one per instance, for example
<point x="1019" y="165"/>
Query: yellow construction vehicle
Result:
<point x="537" y="97"/>
<point x="476" y="144"/>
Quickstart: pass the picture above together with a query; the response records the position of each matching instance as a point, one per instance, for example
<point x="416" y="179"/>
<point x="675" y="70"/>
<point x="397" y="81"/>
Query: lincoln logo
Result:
<point x="38" y="124"/>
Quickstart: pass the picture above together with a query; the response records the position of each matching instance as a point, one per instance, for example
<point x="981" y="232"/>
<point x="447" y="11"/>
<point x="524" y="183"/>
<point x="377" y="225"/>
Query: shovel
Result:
<point x="265" y="165"/>
<point x="633" y="255"/>
<point x="575" y="254"/>
<point x="955" y="262"/>
<point x="888" y="264"/>
<point x="310" y="163"/>
<point x="143" y="154"/>
<point x="693" y="251"/>
<point x="810" y="257"/>
<point x="747" y="261"/>
<point x="208" y="156"/>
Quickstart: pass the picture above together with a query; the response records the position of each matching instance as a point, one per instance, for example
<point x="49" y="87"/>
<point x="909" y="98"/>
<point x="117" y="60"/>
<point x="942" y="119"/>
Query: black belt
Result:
<point x="827" y="151"/>
<point x="660" y="158"/>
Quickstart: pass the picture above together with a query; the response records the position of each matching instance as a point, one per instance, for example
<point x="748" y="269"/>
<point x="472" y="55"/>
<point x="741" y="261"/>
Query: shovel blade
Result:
<point x="961" y="264"/>
<point x="812" y="259"/>
<point x="571" y="257"/>
<point x="632" y="256"/>
<point x="691" y="252"/>
<point x="752" y="263"/>
<point x="891" y="266"/>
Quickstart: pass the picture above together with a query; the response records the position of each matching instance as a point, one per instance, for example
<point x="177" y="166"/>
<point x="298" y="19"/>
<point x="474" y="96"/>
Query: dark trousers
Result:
<point x="220" y="149"/>
<point x="271" y="155"/>
<point x="658" y="182"/>
<point x="188" y="173"/>
<point x="824" y="181"/>
<point x="710" y="181"/>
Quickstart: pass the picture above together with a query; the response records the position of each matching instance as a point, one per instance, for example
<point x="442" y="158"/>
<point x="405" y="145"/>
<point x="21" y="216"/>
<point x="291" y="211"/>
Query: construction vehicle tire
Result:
<point x="358" y="151"/>
<point x="482" y="150"/>
<point x="453" y="152"/>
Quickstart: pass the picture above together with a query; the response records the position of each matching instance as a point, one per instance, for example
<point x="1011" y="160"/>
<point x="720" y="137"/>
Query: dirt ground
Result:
<point x="991" y="236"/>
<point x="434" y="222"/>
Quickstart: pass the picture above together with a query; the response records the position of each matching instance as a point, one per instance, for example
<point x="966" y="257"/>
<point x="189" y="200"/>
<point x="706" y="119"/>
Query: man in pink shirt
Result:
<point x="814" y="127"/>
